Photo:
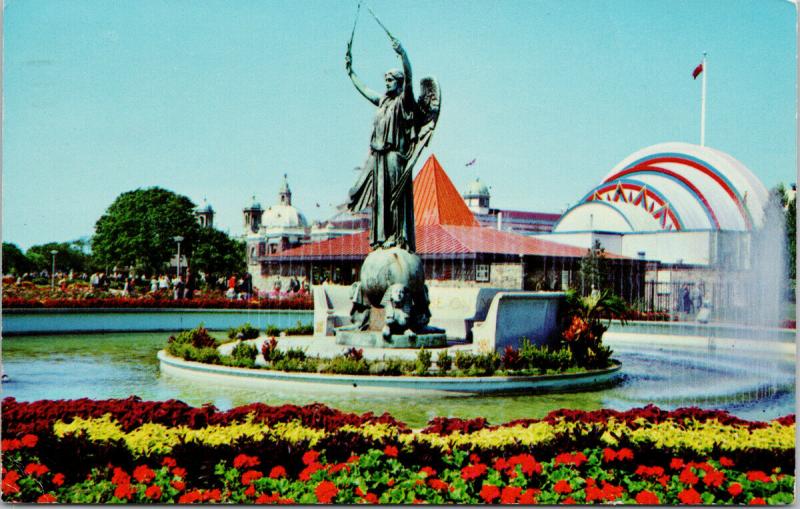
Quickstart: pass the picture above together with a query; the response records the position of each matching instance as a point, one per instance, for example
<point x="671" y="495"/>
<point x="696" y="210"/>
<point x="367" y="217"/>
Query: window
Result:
<point x="481" y="272"/>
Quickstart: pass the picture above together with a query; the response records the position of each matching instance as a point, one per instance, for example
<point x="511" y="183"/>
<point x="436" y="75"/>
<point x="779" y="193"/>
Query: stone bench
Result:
<point x="452" y="309"/>
<point x="516" y="315"/>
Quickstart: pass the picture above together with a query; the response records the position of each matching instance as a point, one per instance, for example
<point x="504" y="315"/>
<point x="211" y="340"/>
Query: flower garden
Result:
<point x="29" y="296"/>
<point x="89" y="451"/>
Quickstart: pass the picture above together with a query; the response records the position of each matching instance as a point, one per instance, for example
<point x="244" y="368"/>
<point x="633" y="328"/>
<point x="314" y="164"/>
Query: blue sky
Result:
<point x="218" y="99"/>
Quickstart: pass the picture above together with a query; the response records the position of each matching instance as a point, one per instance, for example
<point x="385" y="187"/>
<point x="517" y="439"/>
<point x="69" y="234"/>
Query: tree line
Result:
<point x="137" y="232"/>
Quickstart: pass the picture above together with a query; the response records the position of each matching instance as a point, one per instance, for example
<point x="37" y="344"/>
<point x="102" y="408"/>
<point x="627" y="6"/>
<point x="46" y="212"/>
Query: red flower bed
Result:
<point x="147" y="302"/>
<point x="20" y="418"/>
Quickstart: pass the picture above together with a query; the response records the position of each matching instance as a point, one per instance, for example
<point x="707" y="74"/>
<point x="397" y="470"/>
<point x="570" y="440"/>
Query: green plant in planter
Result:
<point x="444" y="362"/>
<point x="244" y="351"/>
<point x="245" y="331"/>
<point x="584" y="328"/>
<point x="423" y="363"/>
<point x="463" y="360"/>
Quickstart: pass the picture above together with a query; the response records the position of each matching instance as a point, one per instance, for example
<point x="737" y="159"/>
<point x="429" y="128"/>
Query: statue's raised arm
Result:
<point x="371" y="95"/>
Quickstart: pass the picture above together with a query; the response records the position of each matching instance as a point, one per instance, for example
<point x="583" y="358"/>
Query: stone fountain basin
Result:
<point x="570" y="382"/>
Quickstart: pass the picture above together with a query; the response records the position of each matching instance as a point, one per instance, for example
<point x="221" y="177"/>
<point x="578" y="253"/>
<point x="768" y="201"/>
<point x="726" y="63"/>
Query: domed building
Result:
<point x="205" y="215"/>
<point x="677" y="203"/>
<point x="281" y="226"/>
<point x="694" y="211"/>
<point x="477" y="198"/>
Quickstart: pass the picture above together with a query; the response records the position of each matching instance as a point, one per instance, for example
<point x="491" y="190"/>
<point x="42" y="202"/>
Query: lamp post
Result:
<point x="53" y="271"/>
<point x="178" y="239"/>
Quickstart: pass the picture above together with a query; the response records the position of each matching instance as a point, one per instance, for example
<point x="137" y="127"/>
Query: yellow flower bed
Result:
<point x="702" y="438"/>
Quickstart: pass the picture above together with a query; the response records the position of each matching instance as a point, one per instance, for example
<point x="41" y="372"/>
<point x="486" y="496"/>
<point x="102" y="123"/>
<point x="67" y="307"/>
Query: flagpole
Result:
<point x="703" y="105"/>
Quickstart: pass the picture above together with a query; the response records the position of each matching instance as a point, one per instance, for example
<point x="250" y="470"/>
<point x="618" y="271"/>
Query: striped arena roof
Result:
<point x="444" y="227"/>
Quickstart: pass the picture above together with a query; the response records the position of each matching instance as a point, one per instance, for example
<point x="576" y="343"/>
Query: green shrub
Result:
<point x="197" y="337"/>
<point x="444" y="362"/>
<point x="245" y="331"/>
<point x="240" y="362"/>
<point x="244" y="351"/>
<point x="542" y="359"/>
<point x="423" y="363"/>
<point x="341" y="365"/>
<point x="296" y="354"/>
<point x="304" y="365"/>
<point x="273" y="330"/>
<point x="205" y="355"/>
<point x="463" y="360"/>
<point x="392" y="367"/>
<point x="300" y="329"/>
<point x="484" y="364"/>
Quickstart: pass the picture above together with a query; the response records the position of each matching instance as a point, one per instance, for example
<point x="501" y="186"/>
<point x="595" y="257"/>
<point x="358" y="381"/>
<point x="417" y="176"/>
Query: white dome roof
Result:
<point x="476" y="188"/>
<point x="283" y="216"/>
<point x="681" y="186"/>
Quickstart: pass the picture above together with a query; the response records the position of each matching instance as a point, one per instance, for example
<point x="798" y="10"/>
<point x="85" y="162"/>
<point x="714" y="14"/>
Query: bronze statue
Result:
<point x="403" y="126"/>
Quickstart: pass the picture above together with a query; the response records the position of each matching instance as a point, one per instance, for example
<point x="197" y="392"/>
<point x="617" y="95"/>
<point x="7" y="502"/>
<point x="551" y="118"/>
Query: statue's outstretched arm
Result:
<point x="370" y="94"/>
<point x="408" y="83"/>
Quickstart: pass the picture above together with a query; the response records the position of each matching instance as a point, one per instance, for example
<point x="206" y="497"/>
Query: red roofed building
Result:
<point x="455" y="249"/>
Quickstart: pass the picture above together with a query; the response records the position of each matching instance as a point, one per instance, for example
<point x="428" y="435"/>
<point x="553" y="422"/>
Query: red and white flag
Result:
<point x="697" y="71"/>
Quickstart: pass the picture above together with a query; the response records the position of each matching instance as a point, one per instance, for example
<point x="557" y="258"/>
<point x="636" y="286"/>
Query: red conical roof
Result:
<point x="436" y="200"/>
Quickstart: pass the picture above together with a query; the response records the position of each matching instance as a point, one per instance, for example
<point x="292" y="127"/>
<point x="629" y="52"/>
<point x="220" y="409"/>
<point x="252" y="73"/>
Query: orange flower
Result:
<point x="178" y="485"/>
<point x="528" y="497"/>
<point x="179" y="472"/>
<point x="168" y="462"/>
<point x="153" y="492"/>
<point x="47" y="498"/>
<point x="250" y="476"/>
<point x="735" y="489"/>
<point x="688" y="477"/>
<point x="758" y="475"/>
<point x="277" y="472"/>
<point x="563" y="486"/>
<point x="689" y="496"/>
<point x="647" y="498"/>
<point x="757" y="501"/>
<point x="489" y="492"/>
<point x="310" y="457"/>
<point x="471" y="472"/>
<point x="124" y="491"/>
<point x="510" y="494"/>
<point x="29" y="440"/>
<point x="428" y="471"/>
<point x="390" y="451"/>
<point x="36" y="469"/>
<point x="245" y="461"/>
<point x="726" y="462"/>
<point x="58" y="479"/>
<point x="326" y="491"/>
<point x="143" y="474"/>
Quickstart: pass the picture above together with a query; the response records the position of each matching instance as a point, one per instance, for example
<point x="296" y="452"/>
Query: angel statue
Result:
<point x="402" y="128"/>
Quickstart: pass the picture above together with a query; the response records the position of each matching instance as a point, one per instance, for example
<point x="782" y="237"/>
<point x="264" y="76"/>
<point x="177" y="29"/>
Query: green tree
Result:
<point x="593" y="269"/>
<point x="69" y="256"/>
<point x="138" y="228"/>
<point x="216" y="253"/>
<point x="14" y="260"/>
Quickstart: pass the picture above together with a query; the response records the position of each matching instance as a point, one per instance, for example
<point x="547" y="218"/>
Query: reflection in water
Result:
<point x="117" y="365"/>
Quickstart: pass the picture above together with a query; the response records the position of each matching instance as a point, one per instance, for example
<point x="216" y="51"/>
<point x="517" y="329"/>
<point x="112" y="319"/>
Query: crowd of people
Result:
<point x="183" y="286"/>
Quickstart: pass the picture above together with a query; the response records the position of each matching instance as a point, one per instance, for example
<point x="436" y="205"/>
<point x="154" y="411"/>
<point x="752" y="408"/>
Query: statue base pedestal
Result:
<point x="374" y="339"/>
